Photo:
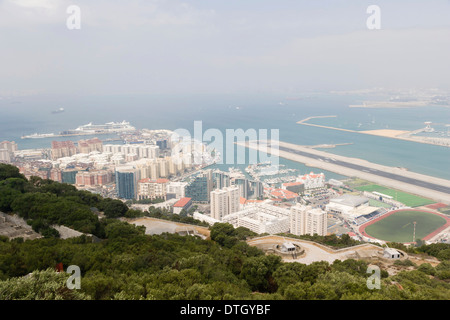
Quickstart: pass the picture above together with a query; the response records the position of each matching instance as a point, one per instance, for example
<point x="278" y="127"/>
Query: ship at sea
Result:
<point x="110" y="127"/>
<point x="39" y="135"/>
<point x="58" y="110"/>
<point x="88" y="129"/>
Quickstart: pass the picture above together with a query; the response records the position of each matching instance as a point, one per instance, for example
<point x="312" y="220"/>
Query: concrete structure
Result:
<point x="308" y="220"/>
<point x="391" y="253"/>
<point x="261" y="218"/>
<point x="224" y="202"/>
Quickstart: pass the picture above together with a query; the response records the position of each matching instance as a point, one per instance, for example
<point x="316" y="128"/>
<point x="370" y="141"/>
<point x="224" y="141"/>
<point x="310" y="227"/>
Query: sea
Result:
<point x="33" y="114"/>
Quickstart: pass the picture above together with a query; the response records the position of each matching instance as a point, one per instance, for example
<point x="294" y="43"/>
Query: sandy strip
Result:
<point x="385" y="132"/>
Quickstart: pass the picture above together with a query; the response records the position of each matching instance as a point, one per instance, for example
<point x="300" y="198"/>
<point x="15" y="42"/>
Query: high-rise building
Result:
<point x="5" y="156"/>
<point x="224" y="202"/>
<point x="7" y="150"/>
<point x="243" y="185"/>
<point x="249" y="189"/>
<point x="93" y="178"/>
<point x="68" y="176"/>
<point x="126" y="182"/>
<point x="256" y="190"/>
<point x="62" y="149"/>
<point x="11" y="146"/>
<point x="162" y="144"/>
<point x="220" y="179"/>
<point x="200" y="188"/>
<point x="306" y="220"/>
<point x="89" y="145"/>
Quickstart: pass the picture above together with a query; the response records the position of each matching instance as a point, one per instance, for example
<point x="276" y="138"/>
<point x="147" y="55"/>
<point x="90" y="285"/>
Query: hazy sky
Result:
<point x="227" y="46"/>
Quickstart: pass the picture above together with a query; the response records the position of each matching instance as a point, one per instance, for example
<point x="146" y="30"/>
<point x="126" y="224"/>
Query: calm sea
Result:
<point x="28" y="115"/>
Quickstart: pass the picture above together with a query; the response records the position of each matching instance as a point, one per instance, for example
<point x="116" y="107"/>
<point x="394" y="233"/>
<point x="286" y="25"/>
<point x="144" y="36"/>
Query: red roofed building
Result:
<point x="151" y="189"/>
<point x="183" y="203"/>
<point x="285" y="195"/>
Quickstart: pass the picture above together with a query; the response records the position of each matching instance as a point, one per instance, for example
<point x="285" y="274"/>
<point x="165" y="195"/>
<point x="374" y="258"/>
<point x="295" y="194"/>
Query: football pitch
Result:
<point x="399" y="226"/>
<point x="408" y="199"/>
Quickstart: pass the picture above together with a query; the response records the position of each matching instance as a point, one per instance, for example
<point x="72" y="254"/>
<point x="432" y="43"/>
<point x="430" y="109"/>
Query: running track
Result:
<point x="362" y="228"/>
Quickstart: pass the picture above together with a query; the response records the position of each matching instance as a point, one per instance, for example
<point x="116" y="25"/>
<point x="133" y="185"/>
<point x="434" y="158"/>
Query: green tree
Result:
<point x="40" y="285"/>
<point x="10" y="171"/>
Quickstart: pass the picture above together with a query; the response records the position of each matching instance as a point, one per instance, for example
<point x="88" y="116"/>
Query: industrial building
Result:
<point x="351" y="207"/>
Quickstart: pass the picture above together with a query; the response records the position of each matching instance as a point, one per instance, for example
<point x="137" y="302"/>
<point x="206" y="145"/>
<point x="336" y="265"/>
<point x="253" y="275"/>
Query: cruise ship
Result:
<point x="109" y="127"/>
<point x="88" y="129"/>
<point x="39" y="135"/>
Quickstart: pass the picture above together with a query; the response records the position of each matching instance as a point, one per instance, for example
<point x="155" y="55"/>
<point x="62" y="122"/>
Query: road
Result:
<point x="389" y="175"/>
<point x="426" y="186"/>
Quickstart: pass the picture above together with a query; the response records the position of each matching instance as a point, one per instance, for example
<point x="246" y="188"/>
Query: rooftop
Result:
<point x="182" y="202"/>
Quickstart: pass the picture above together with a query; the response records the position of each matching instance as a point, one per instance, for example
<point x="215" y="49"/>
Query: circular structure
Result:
<point x="398" y="226"/>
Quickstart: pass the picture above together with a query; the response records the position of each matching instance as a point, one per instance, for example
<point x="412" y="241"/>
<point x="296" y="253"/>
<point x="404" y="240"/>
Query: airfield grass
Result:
<point x="406" y="198"/>
<point x="399" y="227"/>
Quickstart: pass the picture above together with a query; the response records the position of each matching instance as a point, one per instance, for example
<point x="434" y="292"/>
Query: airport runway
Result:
<point x="419" y="183"/>
<point x="412" y="182"/>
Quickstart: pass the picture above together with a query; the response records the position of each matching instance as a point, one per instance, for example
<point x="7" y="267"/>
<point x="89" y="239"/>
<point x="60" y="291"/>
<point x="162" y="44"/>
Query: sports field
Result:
<point x="406" y="198"/>
<point x="399" y="226"/>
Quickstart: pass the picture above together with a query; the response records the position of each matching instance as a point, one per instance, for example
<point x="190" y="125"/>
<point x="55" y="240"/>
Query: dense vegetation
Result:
<point x="127" y="264"/>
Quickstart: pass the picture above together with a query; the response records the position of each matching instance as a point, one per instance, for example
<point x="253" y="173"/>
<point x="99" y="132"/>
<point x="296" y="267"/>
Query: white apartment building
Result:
<point x="151" y="189"/>
<point x="306" y="220"/>
<point x="261" y="218"/>
<point x="142" y="151"/>
<point x="224" y="202"/>
<point x="312" y="181"/>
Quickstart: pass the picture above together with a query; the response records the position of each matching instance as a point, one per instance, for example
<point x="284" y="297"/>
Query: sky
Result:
<point x="227" y="46"/>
